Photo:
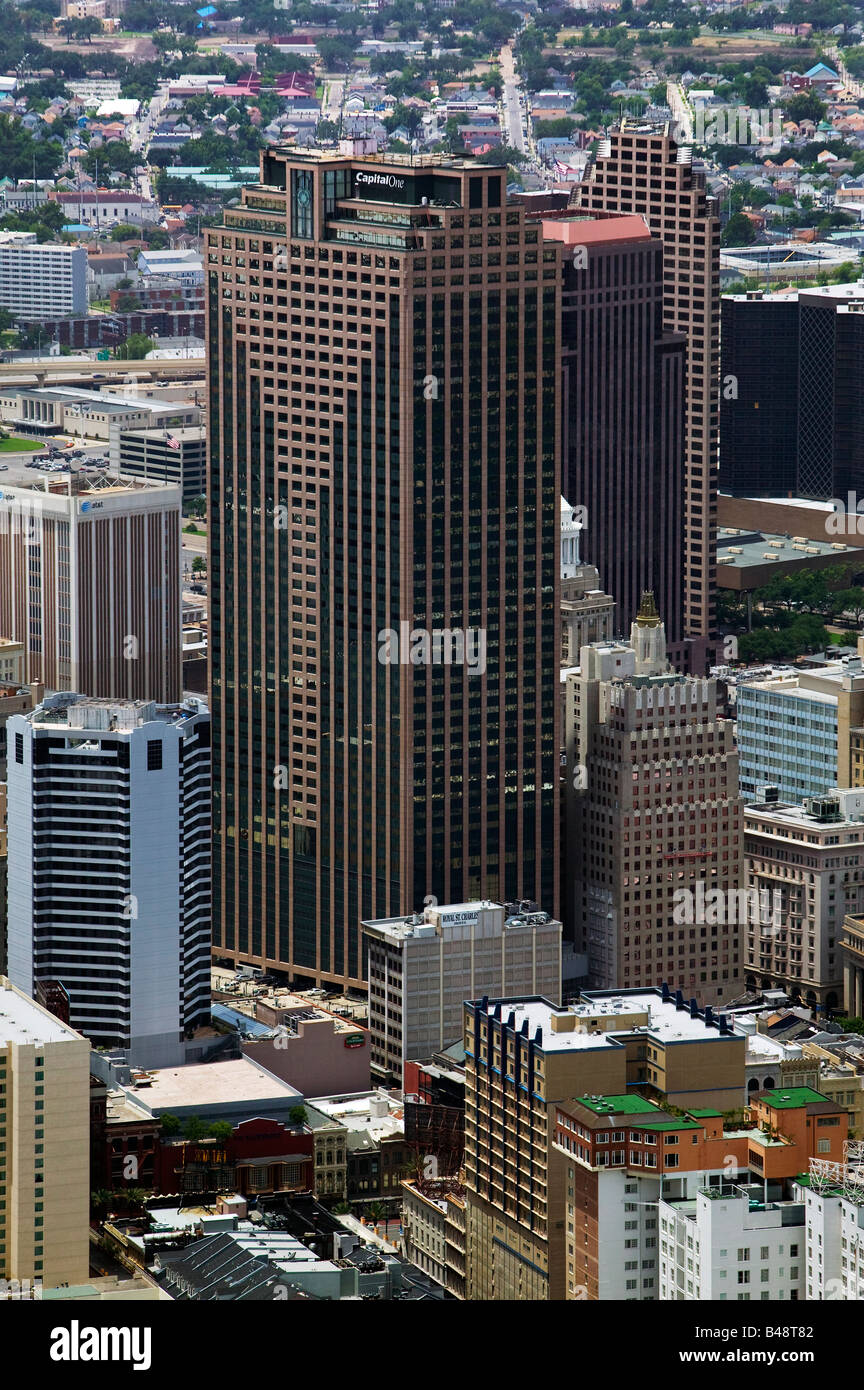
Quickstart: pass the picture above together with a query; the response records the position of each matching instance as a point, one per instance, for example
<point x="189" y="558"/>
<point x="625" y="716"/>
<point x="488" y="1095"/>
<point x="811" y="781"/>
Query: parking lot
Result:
<point x="26" y="468"/>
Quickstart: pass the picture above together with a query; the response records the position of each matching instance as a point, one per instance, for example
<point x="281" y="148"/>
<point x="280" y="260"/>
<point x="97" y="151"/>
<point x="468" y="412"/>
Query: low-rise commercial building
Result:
<point x="378" y="1156"/>
<point x="177" y="456"/>
<point x="312" y="1049"/>
<point x="433" y="1225"/>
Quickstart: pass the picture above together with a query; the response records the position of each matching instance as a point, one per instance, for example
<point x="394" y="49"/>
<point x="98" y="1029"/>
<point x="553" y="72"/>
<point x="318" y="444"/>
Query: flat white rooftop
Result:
<point x="211" y="1083"/>
<point x="24" y="1022"/>
<point x="663" y="1020"/>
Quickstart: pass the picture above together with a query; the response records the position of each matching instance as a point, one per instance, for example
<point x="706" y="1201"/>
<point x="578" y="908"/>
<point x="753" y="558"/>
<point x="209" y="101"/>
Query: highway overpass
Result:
<point x="63" y="371"/>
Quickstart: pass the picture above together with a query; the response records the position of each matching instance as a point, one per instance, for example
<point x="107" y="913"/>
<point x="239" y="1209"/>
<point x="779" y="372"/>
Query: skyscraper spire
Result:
<point x="648" y="638"/>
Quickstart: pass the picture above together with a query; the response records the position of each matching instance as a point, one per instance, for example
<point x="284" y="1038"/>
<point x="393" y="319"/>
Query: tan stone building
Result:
<point x="587" y="613"/>
<point x="653" y="819"/>
<point x="433" y="1225"/>
<point x="524" y="1057"/>
<point x="11" y="662"/>
<point x="45" y="1156"/>
<point x="805" y="873"/>
<point x="852" y="952"/>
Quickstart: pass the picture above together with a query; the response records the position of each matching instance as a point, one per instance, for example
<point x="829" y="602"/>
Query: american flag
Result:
<point x="171" y="441"/>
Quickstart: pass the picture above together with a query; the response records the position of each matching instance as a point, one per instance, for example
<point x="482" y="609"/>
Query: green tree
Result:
<point x="136" y="346"/>
<point x="222" y="1130"/>
<point x="739" y="231"/>
<point x="170" y="1124"/>
<point x="199" y="565"/>
<point x="100" y="1201"/>
<point x="804" y="106"/>
<point x="195" y="1129"/>
<point x="124" y="231"/>
<point x="298" y="1115"/>
<point x="561" y="126"/>
<point x="336" y="53"/>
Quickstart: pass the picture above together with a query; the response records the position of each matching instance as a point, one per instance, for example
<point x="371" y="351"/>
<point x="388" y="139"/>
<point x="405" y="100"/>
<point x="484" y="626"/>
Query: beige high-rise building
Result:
<point x="524" y="1058"/>
<point x="653" y="820"/>
<point x="90" y="583"/>
<point x="45" y="1152"/>
<point x="805" y="872"/>
<point x="640" y="168"/>
<point x="422" y="968"/>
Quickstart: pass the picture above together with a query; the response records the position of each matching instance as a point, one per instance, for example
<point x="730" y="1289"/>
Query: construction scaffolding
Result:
<point x="844" y="1179"/>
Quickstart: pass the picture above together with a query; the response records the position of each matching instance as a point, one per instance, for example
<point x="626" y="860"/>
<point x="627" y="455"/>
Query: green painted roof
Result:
<point x="663" y="1121"/>
<point x="793" y="1098"/>
<point x="705" y="1114"/>
<point x="617" y="1105"/>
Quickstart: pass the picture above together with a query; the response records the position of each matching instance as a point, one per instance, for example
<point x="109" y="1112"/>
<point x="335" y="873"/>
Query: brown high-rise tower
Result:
<point x="639" y="167"/>
<point x="384" y="340"/>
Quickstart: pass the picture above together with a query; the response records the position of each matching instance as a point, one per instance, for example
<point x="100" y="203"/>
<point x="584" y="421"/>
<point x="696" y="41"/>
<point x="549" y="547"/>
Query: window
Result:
<point x="743" y="1276"/>
<point x="154" y="754"/>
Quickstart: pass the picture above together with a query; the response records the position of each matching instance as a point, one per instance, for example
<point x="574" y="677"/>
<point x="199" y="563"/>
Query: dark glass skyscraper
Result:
<point x="384" y="341"/>
<point x="623" y="412"/>
<point x="793" y="378"/>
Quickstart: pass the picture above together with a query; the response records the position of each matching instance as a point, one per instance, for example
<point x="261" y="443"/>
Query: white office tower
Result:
<point x="109" y="867"/>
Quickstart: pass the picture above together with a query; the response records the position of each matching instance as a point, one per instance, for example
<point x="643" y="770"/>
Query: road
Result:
<point x="849" y="82"/>
<point x="334" y="93"/>
<point x="514" y="125"/>
<point x="45" y="370"/>
<point x="680" y="111"/>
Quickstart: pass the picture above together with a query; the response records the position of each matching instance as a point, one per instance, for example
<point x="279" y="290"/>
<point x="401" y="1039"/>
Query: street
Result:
<point x="334" y="91"/>
<point x="513" y="120"/>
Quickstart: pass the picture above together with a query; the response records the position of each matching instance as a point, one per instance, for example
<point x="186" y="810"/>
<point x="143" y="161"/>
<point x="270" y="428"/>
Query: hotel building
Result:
<point x="422" y="968"/>
<point x="524" y="1059"/>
